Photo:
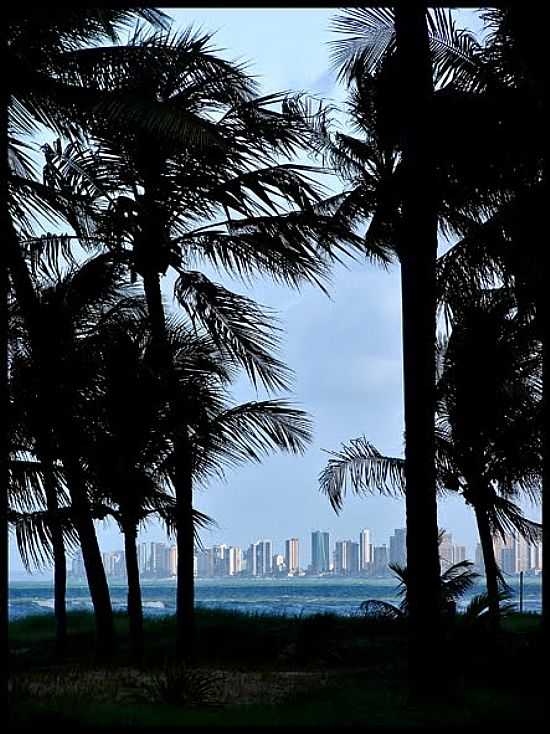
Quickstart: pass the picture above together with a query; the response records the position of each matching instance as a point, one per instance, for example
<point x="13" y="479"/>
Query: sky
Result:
<point x="344" y="349"/>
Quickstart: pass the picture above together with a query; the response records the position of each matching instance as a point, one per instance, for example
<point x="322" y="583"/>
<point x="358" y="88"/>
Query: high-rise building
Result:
<point x="398" y="546"/>
<point x="143" y="559"/>
<point x="479" y="564"/>
<point x="522" y="554"/>
<point x="158" y="561"/>
<point x="292" y="560"/>
<point x="353" y="557"/>
<point x="220" y="560"/>
<point x="346" y="557"/>
<point x="459" y="553"/>
<point x="446" y="550"/>
<point x="205" y="563"/>
<point x="380" y="560"/>
<point x="263" y="558"/>
<point x="108" y="563"/>
<point x="365" y="550"/>
<point x="234" y="561"/>
<point x="536" y="556"/>
<point x="173" y="560"/>
<point x="250" y="560"/>
<point x="320" y="554"/>
<point x="278" y="564"/>
<point x="77" y="566"/>
<point x="340" y="557"/>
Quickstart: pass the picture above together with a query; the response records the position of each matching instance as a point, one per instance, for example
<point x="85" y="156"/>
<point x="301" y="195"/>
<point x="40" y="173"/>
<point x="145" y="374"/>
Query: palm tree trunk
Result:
<point x="58" y="546"/>
<point x="185" y="534"/>
<point x="183" y="484"/>
<point x="155" y="309"/>
<point x="418" y="253"/>
<point x="60" y="591"/>
<point x="135" y="608"/>
<point x="490" y="564"/>
<point x="91" y="555"/>
<point x="60" y="572"/>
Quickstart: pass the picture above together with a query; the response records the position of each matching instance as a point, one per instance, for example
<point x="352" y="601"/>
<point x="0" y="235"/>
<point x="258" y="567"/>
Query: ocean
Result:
<point x="288" y="596"/>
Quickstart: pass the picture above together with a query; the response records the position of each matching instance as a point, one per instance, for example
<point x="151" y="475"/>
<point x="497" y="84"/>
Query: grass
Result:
<point x="272" y="671"/>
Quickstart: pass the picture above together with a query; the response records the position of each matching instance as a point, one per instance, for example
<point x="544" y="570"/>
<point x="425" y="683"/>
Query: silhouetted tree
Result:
<point x="37" y="47"/>
<point x="507" y="247"/>
<point x="70" y="307"/>
<point x="487" y="437"/>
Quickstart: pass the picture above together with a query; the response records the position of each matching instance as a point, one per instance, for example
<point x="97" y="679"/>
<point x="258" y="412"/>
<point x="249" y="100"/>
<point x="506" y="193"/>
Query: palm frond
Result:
<point x="250" y="431"/>
<point x="365" y="468"/>
<point x="237" y="326"/>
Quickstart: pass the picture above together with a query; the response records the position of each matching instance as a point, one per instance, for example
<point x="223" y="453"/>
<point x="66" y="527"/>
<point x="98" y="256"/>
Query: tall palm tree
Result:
<point x="452" y="116"/>
<point x="58" y="387"/>
<point x="229" y="436"/>
<point x="130" y="437"/>
<point x="387" y="57"/>
<point x="36" y="46"/>
<point x="418" y="253"/>
<point x="487" y="436"/>
<point x="508" y="245"/>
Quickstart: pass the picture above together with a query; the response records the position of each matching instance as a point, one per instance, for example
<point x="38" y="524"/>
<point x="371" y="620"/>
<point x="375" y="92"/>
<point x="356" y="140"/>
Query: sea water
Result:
<point x="288" y="596"/>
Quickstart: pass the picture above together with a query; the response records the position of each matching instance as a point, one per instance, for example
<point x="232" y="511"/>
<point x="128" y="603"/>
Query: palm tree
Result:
<point x="36" y="46"/>
<point x="165" y="202"/>
<point x="57" y="390"/>
<point x="386" y="57"/>
<point x="40" y="514"/>
<point x="232" y="436"/>
<point x="507" y="246"/>
<point x="418" y="253"/>
<point x="462" y="119"/>
<point x="129" y="439"/>
<point x="487" y="441"/>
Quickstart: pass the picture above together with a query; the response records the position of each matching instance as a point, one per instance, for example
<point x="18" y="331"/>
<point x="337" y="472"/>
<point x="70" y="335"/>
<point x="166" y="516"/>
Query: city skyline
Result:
<point x="342" y="558"/>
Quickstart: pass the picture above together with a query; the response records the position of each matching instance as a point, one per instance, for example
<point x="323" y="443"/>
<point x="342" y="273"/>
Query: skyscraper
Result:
<point x="353" y="557"/>
<point x="459" y="554"/>
<point x="263" y="558"/>
<point x="278" y="565"/>
<point x="340" y="557"/>
<point x="320" y="554"/>
<point x="522" y="553"/>
<point x="143" y="559"/>
<point x="158" y="561"/>
<point x="346" y="557"/>
<point x="77" y="566"/>
<point x="173" y="560"/>
<point x="398" y="546"/>
<point x="365" y="550"/>
<point x="234" y="561"/>
<point x="380" y="560"/>
<point x="205" y="563"/>
<point x="292" y="555"/>
<point x="250" y="560"/>
<point x="446" y="551"/>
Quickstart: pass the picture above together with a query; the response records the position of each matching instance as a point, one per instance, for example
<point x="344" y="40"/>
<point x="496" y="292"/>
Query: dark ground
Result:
<point x="273" y="671"/>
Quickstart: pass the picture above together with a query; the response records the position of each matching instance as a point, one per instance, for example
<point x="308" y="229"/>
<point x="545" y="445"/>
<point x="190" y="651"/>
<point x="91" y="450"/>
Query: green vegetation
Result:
<point x="344" y="671"/>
